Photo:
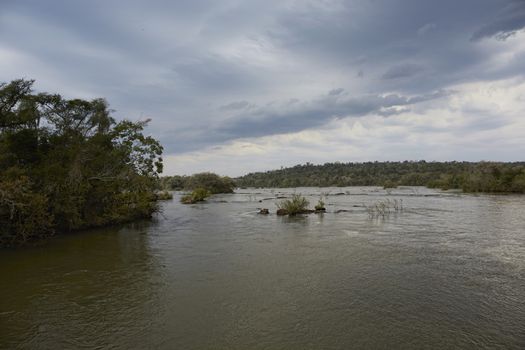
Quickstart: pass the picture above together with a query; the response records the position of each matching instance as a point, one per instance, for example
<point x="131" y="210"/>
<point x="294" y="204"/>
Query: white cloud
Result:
<point x="225" y="79"/>
<point x="447" y="129"/>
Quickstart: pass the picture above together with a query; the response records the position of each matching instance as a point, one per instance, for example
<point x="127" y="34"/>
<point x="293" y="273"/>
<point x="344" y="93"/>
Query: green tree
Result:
<point x="211" y="182"/>
<point x="70" y="160"/>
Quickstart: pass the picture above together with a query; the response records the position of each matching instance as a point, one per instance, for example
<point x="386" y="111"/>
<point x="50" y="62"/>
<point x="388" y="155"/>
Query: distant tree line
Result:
<point x="67" y="165"/>
<point x="209" y="182"/>
<point x="467" y="176"/>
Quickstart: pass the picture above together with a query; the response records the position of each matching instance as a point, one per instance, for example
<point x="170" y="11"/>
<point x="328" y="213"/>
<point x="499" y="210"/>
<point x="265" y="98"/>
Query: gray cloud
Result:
<point x="279" y="118"/>
<point x="404" y="70"/>
<point x="336" y="92"/>
<point x="236" y="106"/>
<point x="209" y="72"/>
<point x="425" y="29"/>
<point x="509" y="20"/>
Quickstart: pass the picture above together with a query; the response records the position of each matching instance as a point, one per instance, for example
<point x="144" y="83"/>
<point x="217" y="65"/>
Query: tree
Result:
<point x="211" y="182"/>
<point x="73" y="161"/>
<point x="471" y="177"/>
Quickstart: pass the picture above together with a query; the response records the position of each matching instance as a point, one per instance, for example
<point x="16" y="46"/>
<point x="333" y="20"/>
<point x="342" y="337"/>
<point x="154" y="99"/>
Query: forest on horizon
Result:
<point x="467" y="176"/>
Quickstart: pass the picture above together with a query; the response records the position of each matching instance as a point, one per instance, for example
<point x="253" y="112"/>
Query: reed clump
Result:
<point x="385" y="208"/>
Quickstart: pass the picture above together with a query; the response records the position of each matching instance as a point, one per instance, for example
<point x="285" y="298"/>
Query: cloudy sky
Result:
<point x="234" y="86"/>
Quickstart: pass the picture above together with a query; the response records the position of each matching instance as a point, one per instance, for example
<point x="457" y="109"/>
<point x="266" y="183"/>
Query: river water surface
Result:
<point x="446" y="272"/>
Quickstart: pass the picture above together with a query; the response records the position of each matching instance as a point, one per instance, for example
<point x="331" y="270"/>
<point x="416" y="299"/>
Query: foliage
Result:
<point x="163" y="195"/>
<point x="470" y="177"/>
<point x="486" y="177"/>
<point x="71" y="164"/>
<point x="297" y="205"/>
<point x="389" y="184"/>
<point x="212" y="182"/>
<point x="23" y="214"/>
<point x="320" y="205"/>
<point x="198" y="195"/>
<point x="173" y="183"/>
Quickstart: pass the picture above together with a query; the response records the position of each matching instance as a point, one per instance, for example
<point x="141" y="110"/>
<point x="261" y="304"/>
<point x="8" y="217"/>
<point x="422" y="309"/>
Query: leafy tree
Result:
<point x="211" y="182"/>
<point x="72" y="163"/>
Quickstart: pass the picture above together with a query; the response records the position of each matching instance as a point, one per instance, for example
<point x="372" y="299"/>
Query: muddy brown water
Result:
<point x="446" y="272"/>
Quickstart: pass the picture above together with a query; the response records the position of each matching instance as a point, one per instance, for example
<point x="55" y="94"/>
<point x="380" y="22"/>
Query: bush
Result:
<point x="320" y="205"/>
<point x="24" y="215"/>
<point x="297" y="205"/>
<point x="163" y="195"/>
<point x="211" y="182"/>
<point x="198" y="195"/>
<point x="389" y="184"/>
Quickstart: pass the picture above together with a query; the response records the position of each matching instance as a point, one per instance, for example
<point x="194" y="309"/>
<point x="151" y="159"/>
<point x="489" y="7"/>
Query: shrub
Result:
<point x="389" y="184"/>
<point x="297" y="205"/>
<point x="198" y="195"/>
<point x="163" y="195"/>
<point x="211" y="182"/>
<point x="320" y="205"/>
<point x="24" y="215"/>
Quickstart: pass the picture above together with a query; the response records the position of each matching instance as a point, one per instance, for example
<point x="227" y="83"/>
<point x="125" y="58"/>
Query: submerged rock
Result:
<point x="282" y="212"/>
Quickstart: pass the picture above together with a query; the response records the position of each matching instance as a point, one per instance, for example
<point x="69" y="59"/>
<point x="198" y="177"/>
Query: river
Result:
<point x="448" y="271"/>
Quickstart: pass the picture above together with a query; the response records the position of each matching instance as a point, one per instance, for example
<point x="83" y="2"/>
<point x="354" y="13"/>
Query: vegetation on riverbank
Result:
<point x="208" y="181"/>
<point x="198" y="195"/>
<point x="163" y="195"/>
<point x="296" y="205"/>
<point x="467" y="176"/>
<point x="67" y="165"/>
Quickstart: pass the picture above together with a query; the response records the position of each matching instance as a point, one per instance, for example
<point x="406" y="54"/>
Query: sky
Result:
<point x="236" y="86"/>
